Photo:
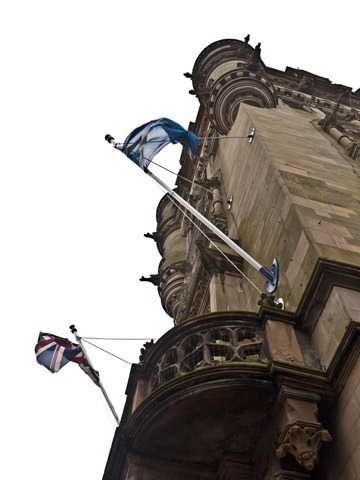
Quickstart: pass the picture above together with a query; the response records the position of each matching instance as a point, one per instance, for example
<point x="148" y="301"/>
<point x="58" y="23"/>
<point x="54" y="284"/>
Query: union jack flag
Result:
<point x="54" y="352"/>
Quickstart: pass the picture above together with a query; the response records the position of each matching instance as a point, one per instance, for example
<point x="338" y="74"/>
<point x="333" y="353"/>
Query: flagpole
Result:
<point x="270" y="275"/>
<point x="74" y="331"/>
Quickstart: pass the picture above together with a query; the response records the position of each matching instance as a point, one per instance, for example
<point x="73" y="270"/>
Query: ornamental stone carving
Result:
<point x="206" y="348"/>
<point x="304" y="443"/>
<point x="170" y="286"/>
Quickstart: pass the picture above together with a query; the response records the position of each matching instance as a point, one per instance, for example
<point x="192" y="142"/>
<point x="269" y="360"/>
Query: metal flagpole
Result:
<point x="74" y="331"/>
<point x="270" y="275"/>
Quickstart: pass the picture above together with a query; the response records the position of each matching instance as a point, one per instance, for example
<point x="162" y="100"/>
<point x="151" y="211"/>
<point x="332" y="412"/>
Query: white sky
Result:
<point x="73" y="210"/>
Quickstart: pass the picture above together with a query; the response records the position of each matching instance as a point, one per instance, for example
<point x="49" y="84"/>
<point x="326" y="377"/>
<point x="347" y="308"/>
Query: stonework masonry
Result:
<point x="288" y="199"/>
<point x="250" y="384"/>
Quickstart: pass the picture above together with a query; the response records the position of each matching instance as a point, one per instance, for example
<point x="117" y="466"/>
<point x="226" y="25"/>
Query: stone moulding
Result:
<point x="236" y="87"/>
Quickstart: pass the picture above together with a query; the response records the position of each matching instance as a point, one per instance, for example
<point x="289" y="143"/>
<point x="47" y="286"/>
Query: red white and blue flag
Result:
<point x="54" y="352"/>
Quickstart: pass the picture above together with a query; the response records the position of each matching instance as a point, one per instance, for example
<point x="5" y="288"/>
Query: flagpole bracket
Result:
<point x="271" y="285"/>
<point x="251" y="135"/>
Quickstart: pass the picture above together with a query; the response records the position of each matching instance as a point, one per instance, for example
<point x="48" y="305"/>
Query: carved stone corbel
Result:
<point x="211" y="259"/>
<point x="301" y="433"/>
<point x="304" y="443"/>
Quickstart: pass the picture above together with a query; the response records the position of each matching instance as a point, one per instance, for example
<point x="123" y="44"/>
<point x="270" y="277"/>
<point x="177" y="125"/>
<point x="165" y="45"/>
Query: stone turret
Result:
<point x="245" y="385"/>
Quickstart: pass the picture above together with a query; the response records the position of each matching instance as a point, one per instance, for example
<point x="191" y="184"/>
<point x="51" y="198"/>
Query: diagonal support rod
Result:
<point x="271" y="275"/>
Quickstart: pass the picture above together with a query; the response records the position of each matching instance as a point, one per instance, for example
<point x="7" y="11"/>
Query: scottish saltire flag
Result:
<point x="146" y="141"/>
<point x="54" y="352"/>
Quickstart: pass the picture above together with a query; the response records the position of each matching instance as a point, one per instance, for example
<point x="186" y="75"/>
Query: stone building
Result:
<point x="250" y="384"/>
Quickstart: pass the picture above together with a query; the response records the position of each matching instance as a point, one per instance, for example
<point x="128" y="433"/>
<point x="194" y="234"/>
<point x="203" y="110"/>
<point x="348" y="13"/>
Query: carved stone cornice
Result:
<point x="326" y="275"/>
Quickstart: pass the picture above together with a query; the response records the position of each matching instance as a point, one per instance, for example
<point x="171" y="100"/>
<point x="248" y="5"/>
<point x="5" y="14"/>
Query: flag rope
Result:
<point x="115" y="338"/>
<point x="102" y="349"/>
<point x="249" y="136"/>
<point x="214" y="244"/>
<point x="224" y="136"/>
<point x="110" y="405"/>
<point x="271" y="275"/>
<point x="187" y="180"/>
<point x="184" y="178"/>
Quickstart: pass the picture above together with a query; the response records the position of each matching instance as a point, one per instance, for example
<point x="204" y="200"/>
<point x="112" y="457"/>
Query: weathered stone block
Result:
<point x="282" y="342"/>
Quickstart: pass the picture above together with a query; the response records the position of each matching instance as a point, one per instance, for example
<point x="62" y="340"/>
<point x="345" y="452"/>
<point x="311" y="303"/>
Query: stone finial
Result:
<point x="255" y="59"/>
<point x="330" y="118"/>
<point x="304" y="443"/>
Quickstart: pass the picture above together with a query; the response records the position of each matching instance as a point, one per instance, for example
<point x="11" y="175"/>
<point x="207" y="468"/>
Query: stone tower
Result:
<point x="249" y="384"/>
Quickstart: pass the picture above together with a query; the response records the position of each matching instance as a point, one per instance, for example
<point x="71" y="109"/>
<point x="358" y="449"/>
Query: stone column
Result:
<point x="217" y="202"/>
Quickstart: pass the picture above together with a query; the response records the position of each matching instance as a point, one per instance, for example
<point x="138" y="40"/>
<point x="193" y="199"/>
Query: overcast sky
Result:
<point x="74" y="210"/>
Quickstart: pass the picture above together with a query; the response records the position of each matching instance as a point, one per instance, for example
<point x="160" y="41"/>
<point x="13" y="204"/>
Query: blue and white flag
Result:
<point x="54" y="352"/>
<point x="146" y="141"/>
